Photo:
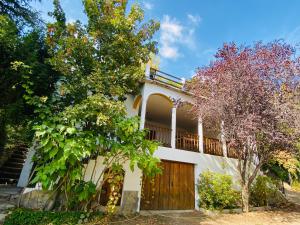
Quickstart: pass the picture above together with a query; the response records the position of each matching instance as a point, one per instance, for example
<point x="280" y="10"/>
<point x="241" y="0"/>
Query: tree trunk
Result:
<point x="245" y="198"/>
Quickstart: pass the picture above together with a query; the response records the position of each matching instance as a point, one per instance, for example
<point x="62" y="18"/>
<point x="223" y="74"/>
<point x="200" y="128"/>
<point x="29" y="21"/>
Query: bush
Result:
<point x="31" y="217"/>
<point x="264" y="192"/>
<point x="216" y="192"/>
<point x="296" y="185"/>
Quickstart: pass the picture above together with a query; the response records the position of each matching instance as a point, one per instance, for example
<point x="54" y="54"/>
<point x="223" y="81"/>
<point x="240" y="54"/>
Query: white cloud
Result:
<point x="70" y="20"/>
<point x="148" y="5"/>
<point x="170" y="52"/>
<point x="173" y="35"/>
<point x="293" y="37"/>
<point x="196" y="19"/>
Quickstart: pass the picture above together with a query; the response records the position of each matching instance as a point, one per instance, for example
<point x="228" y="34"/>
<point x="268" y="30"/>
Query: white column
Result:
<point x="26" y="170"/>
<point x="147" y="70"/>
<point x="223" y="140"/>
<point x="143" y="112"/>
<point x="132" y="183"/>
<point x="173" y="133"/>
<point x="200" y="135"/>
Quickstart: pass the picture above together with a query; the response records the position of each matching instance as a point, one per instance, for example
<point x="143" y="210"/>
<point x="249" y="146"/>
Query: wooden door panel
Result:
<point x="173" y="189"/>
<point x="165" y="186"/>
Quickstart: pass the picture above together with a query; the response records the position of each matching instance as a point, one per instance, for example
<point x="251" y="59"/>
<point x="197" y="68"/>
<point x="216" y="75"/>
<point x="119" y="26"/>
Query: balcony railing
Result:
<point x="212" y="146"/>
<point x="232" y="153"/>
<point x="158" y="133"/>
<point x="166" y="78"/>
<point x="184" y="140"/>
<point x="187" y="141"/>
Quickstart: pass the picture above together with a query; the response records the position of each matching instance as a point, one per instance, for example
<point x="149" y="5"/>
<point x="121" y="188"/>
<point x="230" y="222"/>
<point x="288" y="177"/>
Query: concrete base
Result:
<point x="130" y="202"/>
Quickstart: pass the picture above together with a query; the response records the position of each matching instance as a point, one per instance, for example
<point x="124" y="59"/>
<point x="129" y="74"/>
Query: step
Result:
<point x="14" y="164"/>
<point x="8" y="181"/>
<point x="16" y="160"/>
<point x="19" y="153"/>
<point x="12" y="169"/>
<point x="11" y="175"/>
<point x="23" y="154"/>
<point x="16" y="157"/>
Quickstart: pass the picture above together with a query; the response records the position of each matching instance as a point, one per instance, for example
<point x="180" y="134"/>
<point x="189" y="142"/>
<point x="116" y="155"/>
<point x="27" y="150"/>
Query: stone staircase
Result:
<point x="11" y="169"/>
<point x="9" y="196"/>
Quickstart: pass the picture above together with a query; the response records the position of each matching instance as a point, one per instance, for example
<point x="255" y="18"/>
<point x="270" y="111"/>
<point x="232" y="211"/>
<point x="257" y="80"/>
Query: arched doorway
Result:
<point x="158" y="118"/>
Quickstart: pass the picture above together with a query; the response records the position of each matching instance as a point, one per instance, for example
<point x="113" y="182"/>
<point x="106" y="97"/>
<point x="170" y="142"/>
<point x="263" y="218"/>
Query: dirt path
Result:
<point x="287" y="216"/>
<point x="292" y="196"/>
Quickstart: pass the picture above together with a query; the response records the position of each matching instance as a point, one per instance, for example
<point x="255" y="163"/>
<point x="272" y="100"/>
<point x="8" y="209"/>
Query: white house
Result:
<point x="186" y="148"/>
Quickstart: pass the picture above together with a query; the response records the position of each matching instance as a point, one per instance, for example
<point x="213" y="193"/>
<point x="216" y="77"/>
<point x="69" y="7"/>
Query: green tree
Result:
<point x="100" y="64"/>
<point x="30" y="49"/>
<point x="19" y="11"/>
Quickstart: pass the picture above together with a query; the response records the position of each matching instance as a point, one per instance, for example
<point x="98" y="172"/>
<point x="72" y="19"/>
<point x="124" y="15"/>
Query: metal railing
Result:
<point x="166" y="78"/>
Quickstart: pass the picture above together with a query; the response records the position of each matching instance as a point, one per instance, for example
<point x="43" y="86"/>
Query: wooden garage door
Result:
<point x="173" y="189"/>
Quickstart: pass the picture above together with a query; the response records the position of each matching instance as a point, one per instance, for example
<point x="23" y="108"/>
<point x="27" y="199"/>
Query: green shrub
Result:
<point x="296" y="185"/>
<point x="264" y="192"/>
<point x="31" y="217"/>
<point x="216" y="192"/>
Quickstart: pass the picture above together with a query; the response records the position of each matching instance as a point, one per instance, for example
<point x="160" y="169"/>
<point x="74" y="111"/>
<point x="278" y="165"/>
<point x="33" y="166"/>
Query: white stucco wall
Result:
<point x="152" y="88"/>
<point x="129" y="106"/>
<point x="132" y="179"/>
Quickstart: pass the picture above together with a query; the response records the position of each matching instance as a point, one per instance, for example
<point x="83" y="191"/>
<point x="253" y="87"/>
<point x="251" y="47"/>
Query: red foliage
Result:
<point x="246" y="87"/>
<point x="251" y="89"/>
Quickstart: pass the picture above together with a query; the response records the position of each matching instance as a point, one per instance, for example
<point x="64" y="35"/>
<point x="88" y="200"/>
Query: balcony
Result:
<point x="169" y="117"/>
<point x="166" y="79"/>
<point x="184" y="140"/>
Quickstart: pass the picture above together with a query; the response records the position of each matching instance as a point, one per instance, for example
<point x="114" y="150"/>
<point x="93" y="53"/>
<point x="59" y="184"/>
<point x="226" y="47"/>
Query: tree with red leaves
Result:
<point x="251" y="91"/>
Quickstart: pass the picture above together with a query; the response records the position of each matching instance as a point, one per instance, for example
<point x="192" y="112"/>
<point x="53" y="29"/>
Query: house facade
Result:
<point x="186" y="149"/>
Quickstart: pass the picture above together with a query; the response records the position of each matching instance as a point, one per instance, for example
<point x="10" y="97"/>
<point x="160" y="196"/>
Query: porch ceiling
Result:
<point x="159" y="110"/>
<point x="185" y="119"/>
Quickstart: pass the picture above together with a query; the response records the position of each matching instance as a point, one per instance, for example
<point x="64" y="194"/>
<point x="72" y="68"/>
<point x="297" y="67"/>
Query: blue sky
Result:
<point x="192" y="31"/>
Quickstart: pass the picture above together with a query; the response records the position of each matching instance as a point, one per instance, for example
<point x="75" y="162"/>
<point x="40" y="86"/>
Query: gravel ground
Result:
<point x="286" y="216"/>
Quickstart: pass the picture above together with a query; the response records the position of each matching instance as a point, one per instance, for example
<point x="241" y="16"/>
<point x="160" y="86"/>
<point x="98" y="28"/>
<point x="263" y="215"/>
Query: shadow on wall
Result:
<point x="220" y="164"/>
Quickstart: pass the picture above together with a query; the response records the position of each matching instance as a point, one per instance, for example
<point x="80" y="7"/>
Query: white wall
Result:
<point x="132" y="179"/>
<point x="129" y="106"/>
<point x="152" y="88"/>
